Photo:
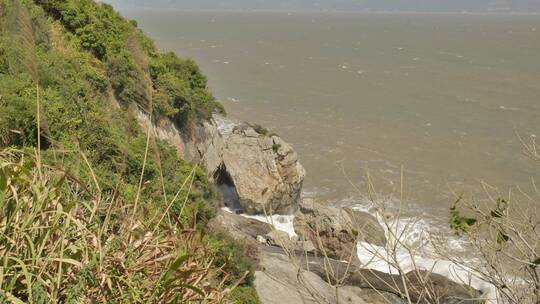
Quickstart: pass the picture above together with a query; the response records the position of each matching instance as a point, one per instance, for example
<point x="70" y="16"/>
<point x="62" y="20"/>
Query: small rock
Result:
<point x="282" y="220"/>
<point x="307" y="246"/>
<point x="279" y="238"/>
<point x="336" y="231"/>
<point x="249" y="132"/>
<point x="261" y="239"/>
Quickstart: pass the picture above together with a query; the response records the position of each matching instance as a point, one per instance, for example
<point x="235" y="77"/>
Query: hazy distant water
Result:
<point x="441" y="95"/>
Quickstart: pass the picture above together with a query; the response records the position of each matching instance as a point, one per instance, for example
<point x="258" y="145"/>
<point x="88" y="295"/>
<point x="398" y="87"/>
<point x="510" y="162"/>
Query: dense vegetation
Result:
<point x="92" y="207"/>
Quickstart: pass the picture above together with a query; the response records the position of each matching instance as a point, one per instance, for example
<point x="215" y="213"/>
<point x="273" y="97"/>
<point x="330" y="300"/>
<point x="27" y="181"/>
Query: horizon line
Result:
<point x="314" y="11"/>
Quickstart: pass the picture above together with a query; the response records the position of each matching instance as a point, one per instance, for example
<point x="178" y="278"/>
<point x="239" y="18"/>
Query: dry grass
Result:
<point x="62" y="241"/>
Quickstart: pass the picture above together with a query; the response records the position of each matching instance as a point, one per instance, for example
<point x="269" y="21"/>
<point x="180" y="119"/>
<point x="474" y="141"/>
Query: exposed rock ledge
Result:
<point x="290" y="275"/>
<point x="256" y="172"/>
<point x="260" y="173"/>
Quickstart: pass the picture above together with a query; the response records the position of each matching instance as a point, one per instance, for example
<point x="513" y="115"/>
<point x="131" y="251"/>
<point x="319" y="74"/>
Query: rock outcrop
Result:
<point x="281" y="282"/>
<point x="239" y="227"/>
<point x="261" y="172"/>
<point x="202" y="143"/>
<point x="255" y="171"/>
<point x="264" y="170"/>
<point x="336" y="231"/>
<point x="292" y="275"/>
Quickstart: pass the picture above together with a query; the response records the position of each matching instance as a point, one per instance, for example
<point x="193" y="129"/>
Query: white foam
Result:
<point x="416" y="234"/>
<point x="225" y="126"/>
<point x="280" y="222"/>
<point x="505" y="108"/>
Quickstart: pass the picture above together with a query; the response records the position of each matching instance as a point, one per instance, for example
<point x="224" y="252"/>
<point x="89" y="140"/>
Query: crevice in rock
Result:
<point x="226" y="187"/>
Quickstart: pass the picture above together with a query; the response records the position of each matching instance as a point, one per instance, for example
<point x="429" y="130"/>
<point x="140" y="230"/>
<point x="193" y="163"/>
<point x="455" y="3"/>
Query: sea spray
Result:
<point x="417" y="234"/>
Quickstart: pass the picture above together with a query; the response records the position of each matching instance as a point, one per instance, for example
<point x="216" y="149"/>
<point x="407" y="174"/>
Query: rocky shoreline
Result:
<point x="259" y="173"/>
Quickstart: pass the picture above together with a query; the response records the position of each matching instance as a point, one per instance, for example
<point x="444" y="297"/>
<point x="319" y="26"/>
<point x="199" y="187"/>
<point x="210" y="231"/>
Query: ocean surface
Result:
<point x="429" y="106"/>
<point x="435" y="100"/>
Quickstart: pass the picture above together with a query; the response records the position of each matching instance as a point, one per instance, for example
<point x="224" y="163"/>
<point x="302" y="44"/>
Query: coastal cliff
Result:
<point x="260" y="174"/>
<point x="255" y="172"/>
<point x="110" y="156"/>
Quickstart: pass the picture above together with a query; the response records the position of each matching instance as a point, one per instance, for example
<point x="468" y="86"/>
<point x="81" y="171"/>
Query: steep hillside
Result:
<point x="93" y="207"/>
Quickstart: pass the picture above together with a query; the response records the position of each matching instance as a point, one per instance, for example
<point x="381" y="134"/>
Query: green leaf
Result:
<point x="13" y="299"/>
<point x="536" y="262"/>
<point x="3" y="180"/>
<point x="197" y="290"/>
<point x="164" y="280"/>
<point x="174" y="266"/>
<point x="3" y="187"/>
<point x="67" y="261"/>
<point x="459" y="223"/>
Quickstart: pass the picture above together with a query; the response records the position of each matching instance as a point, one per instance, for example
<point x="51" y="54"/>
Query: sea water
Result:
<point x="424" y="107"/>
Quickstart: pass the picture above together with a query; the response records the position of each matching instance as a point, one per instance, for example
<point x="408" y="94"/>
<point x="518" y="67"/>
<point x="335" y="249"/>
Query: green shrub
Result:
<point x="65" y="241"/>
<point x="180" y="88"/>
<point x="80" y="190"/>
<point x="233" y="254"/>
<point x="260" y="129"/>
<point x="245" y="295"/>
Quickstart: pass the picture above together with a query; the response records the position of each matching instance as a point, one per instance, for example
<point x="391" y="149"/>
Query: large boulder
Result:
<point x="256" y="171"/>
<point x="262" y="169"/>
<point x="336" y="231"/>
<point x="368" y="227"/>
<point x="280" y="281"/>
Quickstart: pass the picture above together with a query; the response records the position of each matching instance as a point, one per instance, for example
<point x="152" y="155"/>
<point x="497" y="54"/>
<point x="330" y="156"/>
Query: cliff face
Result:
<point x="256" y="173"/>
<point x="77" y="172"/>
<point x="264" y="170"/>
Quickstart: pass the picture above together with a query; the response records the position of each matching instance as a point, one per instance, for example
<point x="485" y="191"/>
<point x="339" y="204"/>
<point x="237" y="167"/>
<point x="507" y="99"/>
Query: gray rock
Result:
<point x="307" y="246"/>
<point x="421" y="286"/>
<point x="279" y="273"/>
<point x="280" y="282"/>
<point x="371" y="296"/>
<point x="280" y="239"/>
<point x="265" y="172"/>
<point x="368" y="227"/>
<point x="336" y="231"/>
<point x="239" y="227"/>
<point x="261" y="239"/>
